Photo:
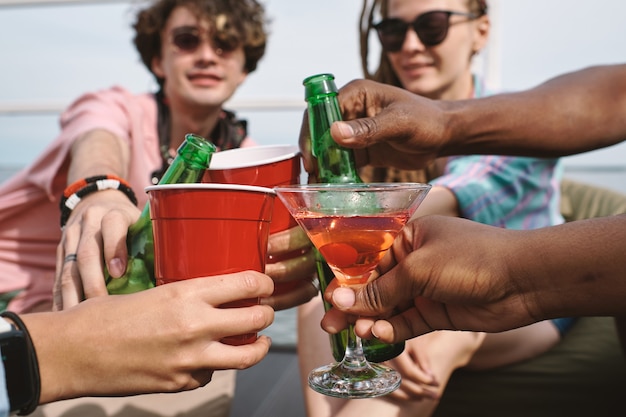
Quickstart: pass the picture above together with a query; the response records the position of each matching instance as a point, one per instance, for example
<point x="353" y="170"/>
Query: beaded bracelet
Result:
<point x="34" y="363"/>
<point x="79" y="189"/>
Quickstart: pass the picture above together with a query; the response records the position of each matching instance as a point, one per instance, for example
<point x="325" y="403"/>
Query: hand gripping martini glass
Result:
<point x="353" y="226"/>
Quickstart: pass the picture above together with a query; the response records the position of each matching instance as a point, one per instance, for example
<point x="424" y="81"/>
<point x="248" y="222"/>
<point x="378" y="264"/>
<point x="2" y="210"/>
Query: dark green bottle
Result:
<point x="335" y="165"/>
<point x="193" y="158"/>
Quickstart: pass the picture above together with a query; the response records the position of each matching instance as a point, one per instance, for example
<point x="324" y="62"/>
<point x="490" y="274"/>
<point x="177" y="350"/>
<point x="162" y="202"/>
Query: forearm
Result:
<point x="98" y="152"/>
<point x="569" y="114"/>
<point x="575" y="269"/>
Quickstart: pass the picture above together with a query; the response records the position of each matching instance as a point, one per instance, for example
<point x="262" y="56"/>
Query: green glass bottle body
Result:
<point x="335" y="165"/>
<point x="192" y="159"/>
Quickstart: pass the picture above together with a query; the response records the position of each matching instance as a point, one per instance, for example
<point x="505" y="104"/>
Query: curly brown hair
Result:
<point x="244" y="25"/>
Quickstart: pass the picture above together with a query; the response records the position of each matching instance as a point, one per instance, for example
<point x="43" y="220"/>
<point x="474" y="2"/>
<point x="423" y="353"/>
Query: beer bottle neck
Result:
<point x="335" y="163"/>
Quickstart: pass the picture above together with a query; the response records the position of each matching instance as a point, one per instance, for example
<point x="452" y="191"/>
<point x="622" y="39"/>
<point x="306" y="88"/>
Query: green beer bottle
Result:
<point x="335" y="165"/>
<point x="192" y="160"/>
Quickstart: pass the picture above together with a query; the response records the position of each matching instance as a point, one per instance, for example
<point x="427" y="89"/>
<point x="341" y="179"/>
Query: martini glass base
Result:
<point x="342" y="381"/>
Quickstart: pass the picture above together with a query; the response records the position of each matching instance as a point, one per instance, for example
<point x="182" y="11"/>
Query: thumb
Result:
<point x="376" y="298"/>
<point x="358" y="133"/>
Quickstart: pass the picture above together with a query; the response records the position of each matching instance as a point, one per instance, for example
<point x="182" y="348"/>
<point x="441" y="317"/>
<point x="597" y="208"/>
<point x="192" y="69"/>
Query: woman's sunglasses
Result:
<point x="431" y="28"/>
<point x="188" y="39"/>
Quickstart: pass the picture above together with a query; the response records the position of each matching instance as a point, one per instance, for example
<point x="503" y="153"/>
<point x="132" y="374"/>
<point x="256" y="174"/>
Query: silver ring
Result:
<point x="316" y="283"/>
<point x="70" y="258"/>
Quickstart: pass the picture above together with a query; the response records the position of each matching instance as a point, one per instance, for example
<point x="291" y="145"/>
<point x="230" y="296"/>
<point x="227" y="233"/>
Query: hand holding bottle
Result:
<point x="379" y="125"/>
<point x="98" y="226"/>
<point x="112" y="236"/>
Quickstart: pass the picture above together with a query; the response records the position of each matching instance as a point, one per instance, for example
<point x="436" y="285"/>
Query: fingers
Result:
<point x="303" y="292"/>
<point x="98" y="225"/>
<point x="57" y="296"/>
<point x="222" y="289"/>
<point x="90" y="265"/>
<point x="288" y="241"/>
<point x="373" y="299"/>
<point x="364" y="106"/>
<point x="290" y="256"/>
<point x="358" y="133"/>
<point x="191" y="297"/>
<point x="236" y="321"/>
<point x="335" y="321"/>
<point x="408" y="324"/>
<point x="300" y="267"/>
<point x="403" y="326"/>
<point x="413" y="365"/>
<point x="291" y="264"/>
<point x="222" y="356"/>
<point x="413" y="391"/>
<point x="417" y="382"/>
<point x="67" y="290"/>
<point x="114" y="229"/>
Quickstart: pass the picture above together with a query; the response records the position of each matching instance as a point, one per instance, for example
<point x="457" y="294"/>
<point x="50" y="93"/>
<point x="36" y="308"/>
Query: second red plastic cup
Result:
<point x="264" y="166"/>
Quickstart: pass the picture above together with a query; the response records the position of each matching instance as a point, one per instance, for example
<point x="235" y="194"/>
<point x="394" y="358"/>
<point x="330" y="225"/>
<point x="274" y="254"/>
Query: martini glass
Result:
<point x="353" y="226"/>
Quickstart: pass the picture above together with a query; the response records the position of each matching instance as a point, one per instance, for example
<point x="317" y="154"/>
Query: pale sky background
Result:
<point x="52" y="54"/>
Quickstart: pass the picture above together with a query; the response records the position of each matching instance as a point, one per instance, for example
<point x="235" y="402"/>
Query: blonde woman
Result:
<point x="427" y="48"/>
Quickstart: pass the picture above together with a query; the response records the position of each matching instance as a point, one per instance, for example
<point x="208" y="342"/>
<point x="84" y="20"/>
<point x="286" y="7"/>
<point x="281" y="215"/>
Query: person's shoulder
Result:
<point x="115" y="95"/>
<point x="119" y="92"/>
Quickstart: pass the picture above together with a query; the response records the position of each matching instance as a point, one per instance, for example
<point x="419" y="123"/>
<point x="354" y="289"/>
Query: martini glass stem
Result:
<point x="354" y="357"/>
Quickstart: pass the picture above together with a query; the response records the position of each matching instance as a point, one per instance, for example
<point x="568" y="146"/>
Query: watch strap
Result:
<point x="32" y="365"/>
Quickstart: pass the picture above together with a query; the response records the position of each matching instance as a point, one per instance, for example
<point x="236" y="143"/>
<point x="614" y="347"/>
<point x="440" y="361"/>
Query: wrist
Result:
<point x="55" y="356"/>
<point x="538" y="260"/>
<point x="454" y="138"/>
<point x="78" y="190"/>
<point x="473" y="127"/>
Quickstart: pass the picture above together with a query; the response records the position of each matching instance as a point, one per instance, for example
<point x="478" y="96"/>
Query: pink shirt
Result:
<point x="29" y="201"/>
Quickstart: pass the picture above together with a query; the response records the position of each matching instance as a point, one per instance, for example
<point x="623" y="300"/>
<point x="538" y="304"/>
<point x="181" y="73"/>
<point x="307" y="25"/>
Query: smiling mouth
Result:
<point x="417" y="66"/>
<point x="205" y="80"/>
<point x="204" y="77"/>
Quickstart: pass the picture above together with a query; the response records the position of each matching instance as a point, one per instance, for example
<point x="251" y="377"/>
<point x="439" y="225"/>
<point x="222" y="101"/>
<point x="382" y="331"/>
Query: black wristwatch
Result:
<point x="20" y="365"/>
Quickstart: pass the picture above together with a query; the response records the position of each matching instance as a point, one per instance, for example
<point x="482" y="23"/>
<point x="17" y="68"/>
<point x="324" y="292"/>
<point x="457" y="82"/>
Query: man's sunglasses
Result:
<point x="431" y="28"/>
<point x="188" y="39"/>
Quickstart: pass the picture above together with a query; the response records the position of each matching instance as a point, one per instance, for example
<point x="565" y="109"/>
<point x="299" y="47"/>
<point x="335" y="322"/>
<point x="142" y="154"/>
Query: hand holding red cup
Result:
<point x="210" y="229"/>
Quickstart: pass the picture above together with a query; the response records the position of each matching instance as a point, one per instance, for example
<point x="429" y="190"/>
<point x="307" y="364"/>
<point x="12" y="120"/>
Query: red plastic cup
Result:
<point x="210" y="229"/>
<point x="263" y="166"/>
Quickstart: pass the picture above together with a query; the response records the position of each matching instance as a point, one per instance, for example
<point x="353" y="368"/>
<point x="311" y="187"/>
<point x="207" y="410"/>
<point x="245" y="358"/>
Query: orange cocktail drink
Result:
<point x="353" y="246"/>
